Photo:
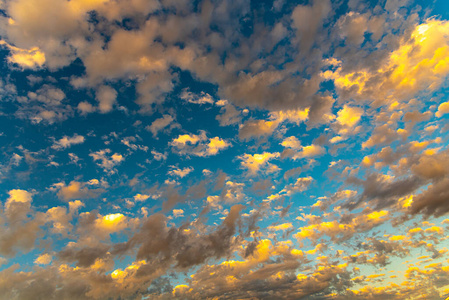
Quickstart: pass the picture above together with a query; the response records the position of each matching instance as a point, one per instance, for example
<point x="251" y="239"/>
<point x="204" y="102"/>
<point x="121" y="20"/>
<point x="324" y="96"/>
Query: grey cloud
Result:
<point x="383" y="192"/>
<point x="433" y="201"/>
<point x="85" y="256"/>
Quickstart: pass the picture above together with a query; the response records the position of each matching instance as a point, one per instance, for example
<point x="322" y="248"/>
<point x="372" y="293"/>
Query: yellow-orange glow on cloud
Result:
<point x="26" y="58"/>
<point x="418" y="64"/>
<point x="255" y="162"/>
<point x="349" y="116"/>
<point x="111" y="223"/>
<point x="43" y="259"/>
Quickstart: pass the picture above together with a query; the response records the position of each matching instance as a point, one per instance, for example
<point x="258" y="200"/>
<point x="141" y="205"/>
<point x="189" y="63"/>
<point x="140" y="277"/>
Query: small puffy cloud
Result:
<point x="106" y="96"/>
<point x="381" y="135"/>
<point x="75" y="205"/>
<point x="215" y="145"/>
<point x="76" y="189"/>
<point x="232" y="193"/>
<point x="260" y="128"/>
<point x="301" y="184"/>
<point x="349" y="116"/>
<point x="256" y="162"/>
<point x="175" y="171"/>
<point x="202" y="98"/>
<point x="60" y="219"/>
<point x="199" y="145"/>
<point x="160" y="124"/>
<point x="296" y="116"/>
<point x="111" y="223"/>
<point x="228" y="115"/>
<point x="443" y="109"/>
<point x="291" y="142"/>
<point x="178" y="213"/>
<point x="281" y="227"/>
<point x="85" y="108"/>
<point x="311" y="150"/>
<point x="18" y="196"/>
<point x="43" y="259"/>
<point x="296" y="151"/>
<point x="257" y="128"/>
<point x="140" y="197"/>
<point x="44" y="105"/>
<point x="106" y="161"/>
<point x="130" y="142"/>
<point x="158" y="155"/>
<point x="66" y="142"/>
<point x="185" y="139"/>
<point x="18" y="205"/>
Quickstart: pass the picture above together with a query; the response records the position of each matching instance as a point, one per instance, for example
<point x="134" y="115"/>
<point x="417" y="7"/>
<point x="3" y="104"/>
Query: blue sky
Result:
<point x="224" y="150"/>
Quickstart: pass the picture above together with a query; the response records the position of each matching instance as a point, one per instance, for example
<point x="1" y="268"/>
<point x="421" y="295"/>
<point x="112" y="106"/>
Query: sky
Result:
<point x="218" y="149"/>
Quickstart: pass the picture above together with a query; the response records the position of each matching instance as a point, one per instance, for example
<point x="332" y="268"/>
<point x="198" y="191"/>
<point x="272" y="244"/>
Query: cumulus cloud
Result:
<point x="77" y="190"/>
<point x="403" y="74"/>
<point x="106" y="161"/>
<point x="199" y="145"/>
<point x="181" y="173"/>
<point x="106" y="97"/>
<point x="257" y="162"/>
<point x="25" y="58"/>
<point x="160" y="124"/>
<point x="66" y="142"/>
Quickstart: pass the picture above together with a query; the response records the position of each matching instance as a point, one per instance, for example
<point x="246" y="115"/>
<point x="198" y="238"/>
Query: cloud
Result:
<point x="199" y="145"/>
<point x="108" y="163"/>
<point x="44" y="105"/>
<point x="346" y="97"/>
<point x="18" y="229"/>
<point x="229" y="115"/>
<point x="160" y="124"/>
<point x="159" y="156"/>
<point x="291" y="142"/>
<point x="257" y="128"/>
<point x="18" y="196"/>
<point x="296" y="151"/>
<point x="26" y="59"/>
<point x="67" y="142"/>
<point x="85" y="108"/>
<point x="308" y="19"/>
<point x="349" y="116"/>
<point x="111" y="223"/>
<point x="77" y="190"/>
<point x="418" y="64"/>
<point x="231" y="193"/>
<point x="181" y="173"/>
<point x="106" y="96"/>
<point x="203" y="98"/>
<point x="443" y="109"/>
<point x="257" y="162"/>
<point x="178" y="213"/>
<point x="43" y="259"/>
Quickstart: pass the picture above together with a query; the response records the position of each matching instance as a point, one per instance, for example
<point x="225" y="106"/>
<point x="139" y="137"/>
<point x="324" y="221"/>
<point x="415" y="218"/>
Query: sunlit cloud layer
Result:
<point x="160" y="149"/>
